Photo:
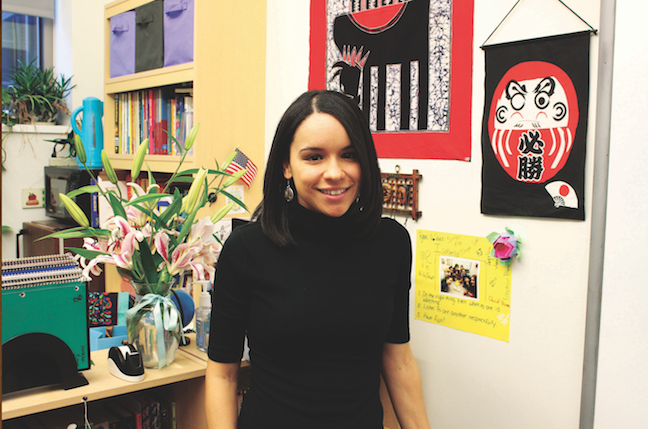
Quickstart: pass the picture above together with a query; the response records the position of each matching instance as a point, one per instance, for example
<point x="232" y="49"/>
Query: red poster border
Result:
<point x="453" y="144"/>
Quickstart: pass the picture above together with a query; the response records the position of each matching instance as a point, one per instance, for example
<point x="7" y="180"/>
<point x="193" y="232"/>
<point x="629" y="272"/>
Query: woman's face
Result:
<point x="323" y="166"/>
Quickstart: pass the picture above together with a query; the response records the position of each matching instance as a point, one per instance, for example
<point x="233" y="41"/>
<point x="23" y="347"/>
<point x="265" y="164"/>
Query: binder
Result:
<point x="47" y="295"/>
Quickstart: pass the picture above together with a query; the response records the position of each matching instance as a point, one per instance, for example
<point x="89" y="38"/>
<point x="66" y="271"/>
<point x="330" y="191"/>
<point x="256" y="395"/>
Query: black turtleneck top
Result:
<point x="316" y="315"/>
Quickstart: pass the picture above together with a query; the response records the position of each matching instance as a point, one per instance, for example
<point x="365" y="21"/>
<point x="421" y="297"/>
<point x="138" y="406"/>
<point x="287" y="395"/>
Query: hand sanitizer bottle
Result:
<point x="203" y="319"/>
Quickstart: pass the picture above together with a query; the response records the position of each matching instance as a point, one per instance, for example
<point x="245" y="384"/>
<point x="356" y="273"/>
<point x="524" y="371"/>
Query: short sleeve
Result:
<point x="402" y="244"/>
<point x="230" y="302"/>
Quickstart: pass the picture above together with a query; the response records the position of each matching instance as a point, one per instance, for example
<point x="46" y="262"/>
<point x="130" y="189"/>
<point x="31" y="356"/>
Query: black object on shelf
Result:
<point x="38" y="359"/>
<point x="149" y="36"/>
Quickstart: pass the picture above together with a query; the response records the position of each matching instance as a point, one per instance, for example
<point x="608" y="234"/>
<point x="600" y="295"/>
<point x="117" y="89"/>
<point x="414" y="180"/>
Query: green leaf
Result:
<point x="78" y="232"/>
<point x="190" y="171"/>
<point x="181" y="179"/>
<point x="116" y="205"/>
<point x="188" y="223"/>
<point x="236" y="200"/>
<point x="90" y="189"/>
<point x="146" y="198"/>
<point x="138" y="272"/>
<point x="148" y="264"/>
<point x="86" y="253"/>
<point x="173" y="209"/>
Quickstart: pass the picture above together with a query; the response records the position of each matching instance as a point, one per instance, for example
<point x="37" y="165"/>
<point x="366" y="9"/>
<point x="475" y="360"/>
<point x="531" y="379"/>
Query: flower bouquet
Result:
<point x="152" y="237"/>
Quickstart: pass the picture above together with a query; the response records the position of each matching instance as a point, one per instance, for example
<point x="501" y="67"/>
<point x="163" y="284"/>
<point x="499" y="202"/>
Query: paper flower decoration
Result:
<point x="505" y="246"/>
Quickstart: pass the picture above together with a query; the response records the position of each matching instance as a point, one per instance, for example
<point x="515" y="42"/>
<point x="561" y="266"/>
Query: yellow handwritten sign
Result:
<point x="460" y="286"/>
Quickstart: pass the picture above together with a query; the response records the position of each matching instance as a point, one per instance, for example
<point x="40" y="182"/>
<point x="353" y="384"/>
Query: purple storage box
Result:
<point x="122" y="44"/>
<point x="178" y="32"/>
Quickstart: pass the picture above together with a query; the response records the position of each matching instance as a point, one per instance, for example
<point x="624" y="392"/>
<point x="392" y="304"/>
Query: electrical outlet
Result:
<point x="33" y="198"/>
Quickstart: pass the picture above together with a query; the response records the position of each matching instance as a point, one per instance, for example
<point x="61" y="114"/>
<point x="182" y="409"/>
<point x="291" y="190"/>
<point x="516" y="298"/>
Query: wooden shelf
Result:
<point x="157" y="163"/>
<point x="101" y="385"/>
<point x="172" y="75"/>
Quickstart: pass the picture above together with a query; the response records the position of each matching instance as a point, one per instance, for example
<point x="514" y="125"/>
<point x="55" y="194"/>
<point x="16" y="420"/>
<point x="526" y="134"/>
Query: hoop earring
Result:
<point x="289" y="194"/>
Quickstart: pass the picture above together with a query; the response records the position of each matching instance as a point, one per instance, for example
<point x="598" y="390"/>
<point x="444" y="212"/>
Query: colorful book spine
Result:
<point x="157" y="114"/>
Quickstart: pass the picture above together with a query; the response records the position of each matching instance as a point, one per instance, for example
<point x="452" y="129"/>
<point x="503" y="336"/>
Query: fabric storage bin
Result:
<point x="178" y="31"/>
<point x="149" y="36"/>
<point x="122" y="44"/>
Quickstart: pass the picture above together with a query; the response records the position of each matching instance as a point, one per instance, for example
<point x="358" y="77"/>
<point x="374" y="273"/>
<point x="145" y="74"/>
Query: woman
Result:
<point x="320" y="285"/>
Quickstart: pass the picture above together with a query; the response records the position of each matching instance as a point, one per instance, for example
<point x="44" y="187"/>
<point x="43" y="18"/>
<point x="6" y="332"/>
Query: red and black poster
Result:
<point x="407" y="63"/>
<point x="534" y="127"/>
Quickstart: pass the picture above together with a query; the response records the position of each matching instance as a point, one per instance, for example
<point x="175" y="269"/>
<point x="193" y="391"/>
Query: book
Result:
<point x="168" y="414"/>
<point x="153" y="114"/>
<point x="94" y="207"/>
<point x="131" y="404"/>
<point x="125" y="418"/>
<point x="150" y="411"/>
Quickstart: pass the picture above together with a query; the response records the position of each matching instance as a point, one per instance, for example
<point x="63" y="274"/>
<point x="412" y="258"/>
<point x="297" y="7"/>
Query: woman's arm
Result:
<point x="403" y="380"/>
<point x="221" y="382"/>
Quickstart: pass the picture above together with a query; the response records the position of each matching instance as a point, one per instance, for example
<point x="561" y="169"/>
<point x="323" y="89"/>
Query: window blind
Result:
<point x="42" y="8"/>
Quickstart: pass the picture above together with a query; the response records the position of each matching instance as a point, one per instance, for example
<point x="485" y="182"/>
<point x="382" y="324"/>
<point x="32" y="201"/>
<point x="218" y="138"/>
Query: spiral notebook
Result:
<point x="47" y="294"/>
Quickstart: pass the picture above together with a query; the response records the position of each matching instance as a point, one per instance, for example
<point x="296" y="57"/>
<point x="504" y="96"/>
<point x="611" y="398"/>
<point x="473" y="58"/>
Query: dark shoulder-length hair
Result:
<point x="273" y="210"/>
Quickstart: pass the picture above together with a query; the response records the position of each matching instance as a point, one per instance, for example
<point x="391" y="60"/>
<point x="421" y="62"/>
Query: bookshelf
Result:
<point x="228" y="79"/>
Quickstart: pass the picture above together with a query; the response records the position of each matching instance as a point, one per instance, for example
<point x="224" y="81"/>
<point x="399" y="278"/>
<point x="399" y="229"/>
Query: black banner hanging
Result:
<point x="534" y="127"/>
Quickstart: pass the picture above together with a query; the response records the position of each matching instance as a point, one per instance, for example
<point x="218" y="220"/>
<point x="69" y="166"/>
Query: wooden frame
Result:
<point x="400" y="193"/>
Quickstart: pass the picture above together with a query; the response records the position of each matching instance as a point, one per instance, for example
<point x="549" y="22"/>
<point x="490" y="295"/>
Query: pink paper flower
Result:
<point x="505" y="246"/>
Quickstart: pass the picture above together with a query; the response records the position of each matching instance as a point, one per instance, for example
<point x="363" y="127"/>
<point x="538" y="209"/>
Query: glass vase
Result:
<point x="153" y="324"/>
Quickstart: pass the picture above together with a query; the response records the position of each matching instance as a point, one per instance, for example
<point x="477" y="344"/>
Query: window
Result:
<point x="27" y="28"/>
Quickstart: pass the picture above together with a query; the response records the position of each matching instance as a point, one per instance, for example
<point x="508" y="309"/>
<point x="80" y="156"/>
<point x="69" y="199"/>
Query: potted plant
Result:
<point x="35" y="95"/>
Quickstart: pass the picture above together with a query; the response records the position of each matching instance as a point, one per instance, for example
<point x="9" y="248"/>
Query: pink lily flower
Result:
<point x="100" y="245"/>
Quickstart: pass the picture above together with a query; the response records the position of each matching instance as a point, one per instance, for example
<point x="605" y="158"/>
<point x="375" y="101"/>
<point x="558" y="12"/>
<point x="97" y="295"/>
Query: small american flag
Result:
<point x="240" y="162"/>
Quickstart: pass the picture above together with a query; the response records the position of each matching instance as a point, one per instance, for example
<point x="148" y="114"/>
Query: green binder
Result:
<point x="47" y="300"/>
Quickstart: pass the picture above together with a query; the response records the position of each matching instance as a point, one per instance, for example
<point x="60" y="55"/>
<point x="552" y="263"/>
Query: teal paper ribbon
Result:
<point x="161" y="305"/>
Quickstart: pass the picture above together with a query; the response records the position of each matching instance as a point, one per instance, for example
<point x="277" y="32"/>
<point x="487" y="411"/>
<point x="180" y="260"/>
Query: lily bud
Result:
<point x="138" y="160"/>
<point x="234" y="177"/>
<point x="80" y="150"/>
<point x="191" y="137"/>
<point x="74" y="210"/>
<point x="110" y="171"/>
<point x="222" y="212"/>
<point x="228" y="160"/>
<point x="195" y="190"/>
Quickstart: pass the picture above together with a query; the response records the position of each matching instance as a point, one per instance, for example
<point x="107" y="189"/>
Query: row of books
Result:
<point x="142" y="410"/>
<point x="155" y="114"/>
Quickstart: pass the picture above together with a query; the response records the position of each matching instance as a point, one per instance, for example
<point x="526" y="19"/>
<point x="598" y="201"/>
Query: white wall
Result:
<point x="534" y="380"/>
<point x="622" y="384"/>
<point x="26" y="153"/>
